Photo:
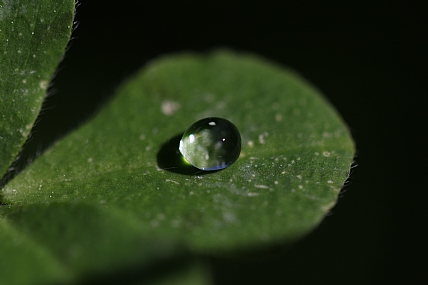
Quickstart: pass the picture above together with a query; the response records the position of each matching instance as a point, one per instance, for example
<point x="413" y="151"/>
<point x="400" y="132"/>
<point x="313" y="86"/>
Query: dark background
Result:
<point x="370" y="60"/>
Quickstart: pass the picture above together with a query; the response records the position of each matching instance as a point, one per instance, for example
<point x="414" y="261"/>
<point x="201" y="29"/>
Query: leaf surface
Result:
<point x="75" y="242"/>
<point x="296" y="155"/>
<point x="22" y="261"/>
<point x="33" y="36"/>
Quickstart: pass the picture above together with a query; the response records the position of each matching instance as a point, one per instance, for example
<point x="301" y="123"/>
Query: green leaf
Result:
<point x="296" y="155"/>
<point x="33" y="36"/>
<point x="77" y="241"/>
<point x="23" y="261"/>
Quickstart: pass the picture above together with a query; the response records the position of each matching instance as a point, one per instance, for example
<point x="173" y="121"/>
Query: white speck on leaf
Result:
<point x="169" y="107"/>
<point x="43" y="84"/>
<point x="326" y="153"/>
<point x="261" y="186"/>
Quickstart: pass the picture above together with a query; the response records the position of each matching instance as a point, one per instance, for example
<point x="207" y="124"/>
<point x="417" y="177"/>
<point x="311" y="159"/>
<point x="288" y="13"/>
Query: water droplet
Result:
<point x="211" y="144"/>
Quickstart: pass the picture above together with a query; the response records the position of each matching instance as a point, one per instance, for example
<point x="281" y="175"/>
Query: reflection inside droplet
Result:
<point x="211" y="144"/>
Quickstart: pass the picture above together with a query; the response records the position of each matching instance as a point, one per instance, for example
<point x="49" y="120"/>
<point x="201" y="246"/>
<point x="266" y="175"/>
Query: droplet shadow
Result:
<point x="170" y="159"/>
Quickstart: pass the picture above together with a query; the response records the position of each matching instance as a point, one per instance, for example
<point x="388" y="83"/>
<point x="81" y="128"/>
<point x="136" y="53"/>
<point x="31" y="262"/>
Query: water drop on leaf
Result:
<point x="211" y="144"/>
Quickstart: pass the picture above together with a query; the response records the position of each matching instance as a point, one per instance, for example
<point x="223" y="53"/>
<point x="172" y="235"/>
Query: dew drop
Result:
<point x="211" y="144"/>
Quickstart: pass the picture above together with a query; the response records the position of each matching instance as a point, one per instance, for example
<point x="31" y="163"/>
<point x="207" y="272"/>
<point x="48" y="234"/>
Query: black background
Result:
<point x="369" y="60"/>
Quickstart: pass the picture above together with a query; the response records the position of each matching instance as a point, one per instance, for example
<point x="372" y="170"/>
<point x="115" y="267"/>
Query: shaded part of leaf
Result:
<point x="195" y="272"/>
<point x="33" y="37"/>
<point x="177" y="270"/>
<point x="91" y="241"/>
<point x="23" y="261"/>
